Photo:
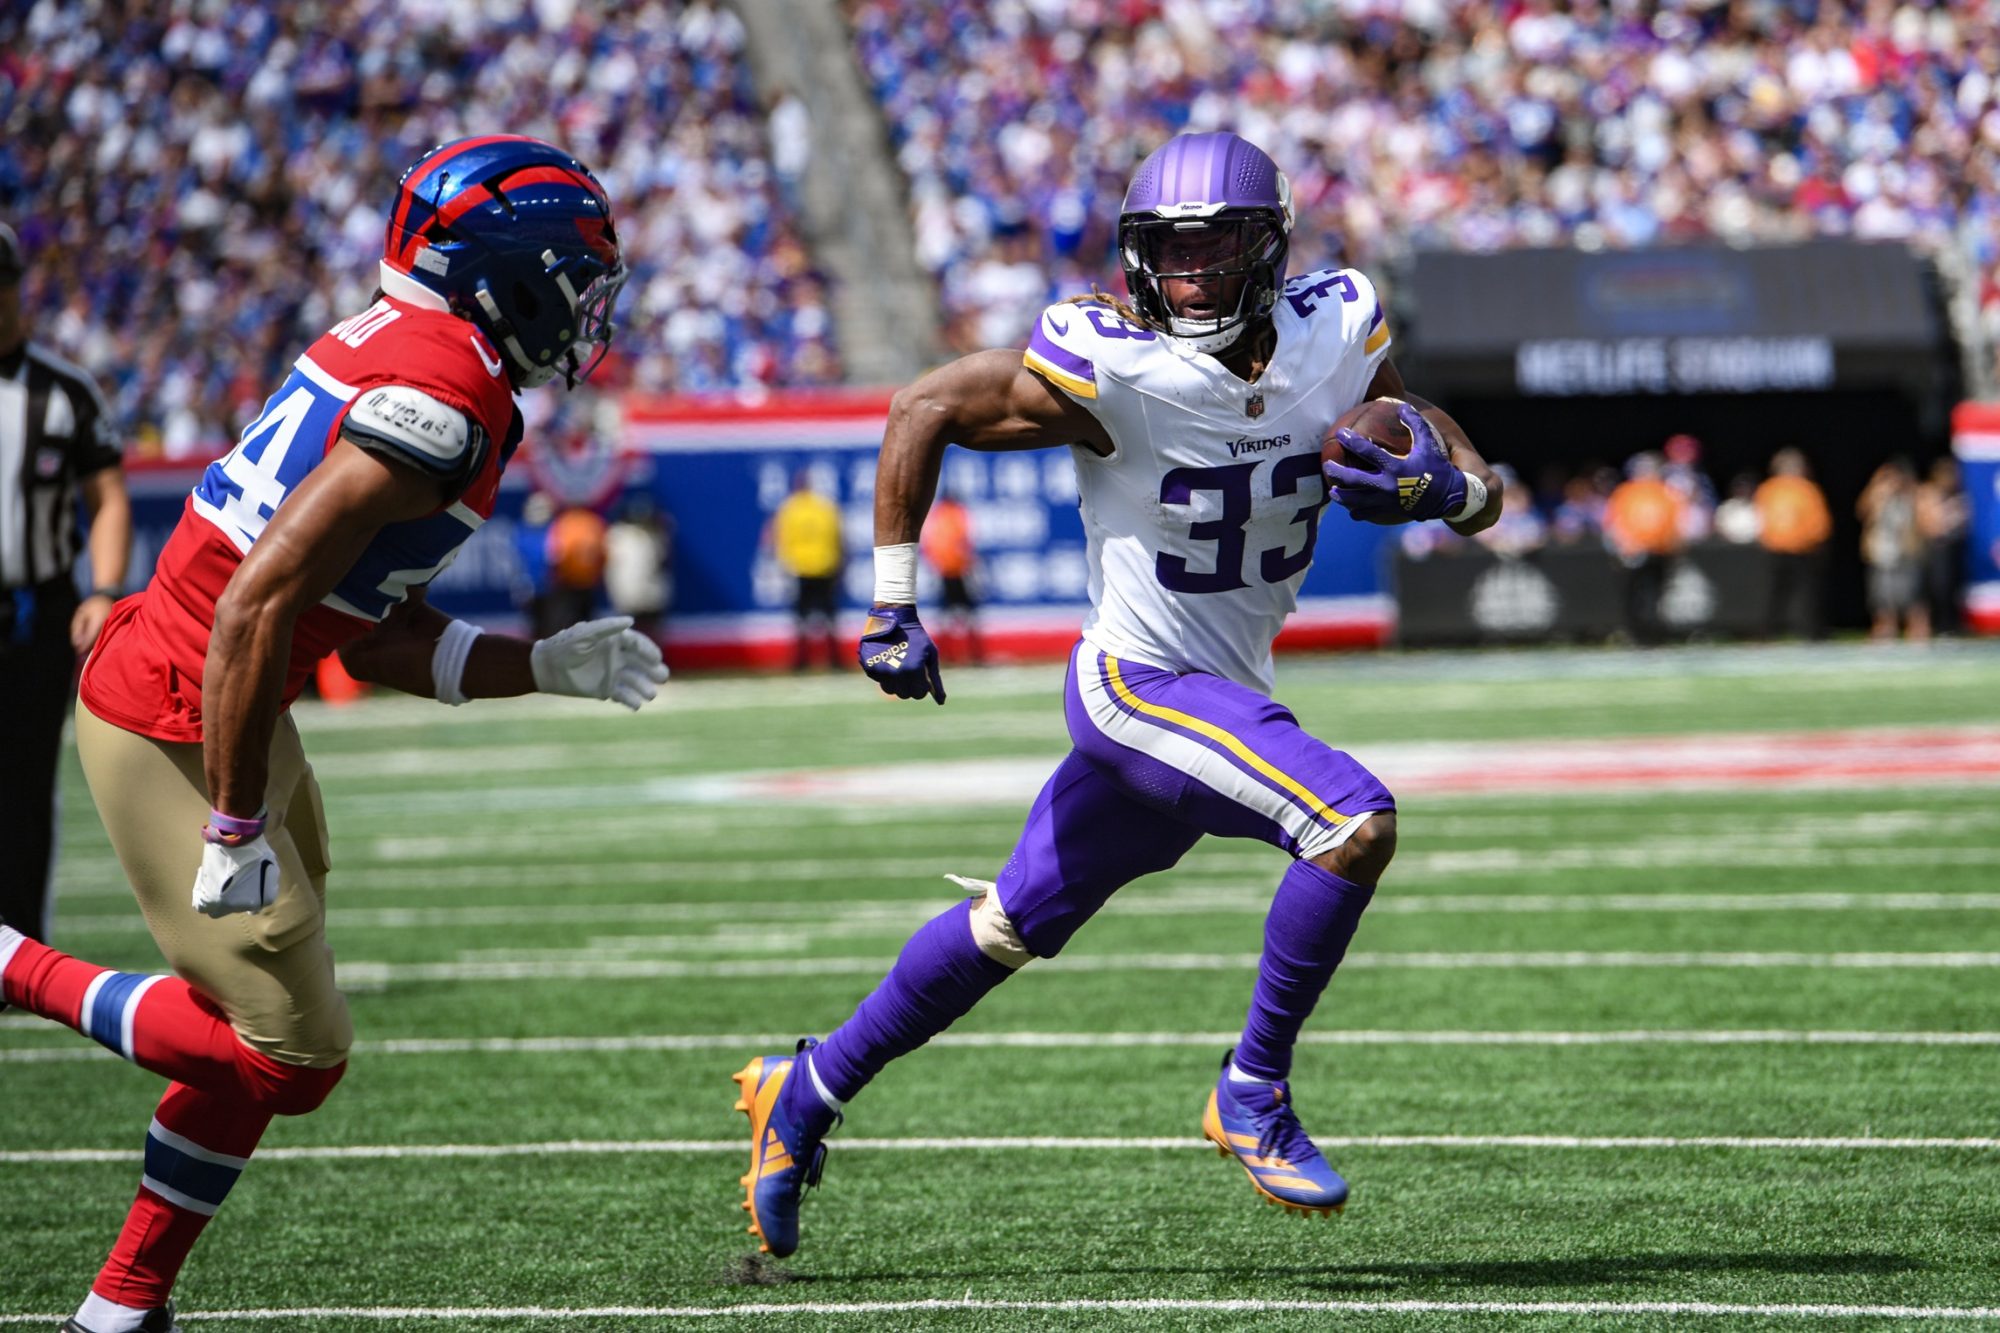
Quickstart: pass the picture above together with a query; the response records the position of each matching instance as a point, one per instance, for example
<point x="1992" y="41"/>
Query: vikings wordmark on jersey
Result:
<point x="1202" y="520"/>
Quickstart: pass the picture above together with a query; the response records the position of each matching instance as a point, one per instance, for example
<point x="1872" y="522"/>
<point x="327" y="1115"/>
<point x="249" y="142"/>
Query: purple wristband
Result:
<point x="232" y="830"/>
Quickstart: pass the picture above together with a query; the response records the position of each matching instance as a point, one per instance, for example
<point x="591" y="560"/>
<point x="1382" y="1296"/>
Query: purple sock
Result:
<point x="938" y="977"/>
<point x="1312" y="918"/>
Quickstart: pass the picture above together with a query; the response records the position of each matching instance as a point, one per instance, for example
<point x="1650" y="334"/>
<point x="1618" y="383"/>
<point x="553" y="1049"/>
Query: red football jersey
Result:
<point x="145" y="673"/>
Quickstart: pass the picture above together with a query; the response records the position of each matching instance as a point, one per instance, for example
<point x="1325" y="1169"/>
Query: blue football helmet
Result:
<point x="516" y="236"/>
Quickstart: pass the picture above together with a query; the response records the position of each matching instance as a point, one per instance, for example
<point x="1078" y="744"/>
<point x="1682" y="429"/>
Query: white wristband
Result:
<point x="1475" y="500"/>
<point x="896" y="575"/>
<point x="448" y="661"/>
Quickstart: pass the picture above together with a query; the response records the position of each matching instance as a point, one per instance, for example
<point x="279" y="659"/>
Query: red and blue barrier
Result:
<point x="720" y="469"/>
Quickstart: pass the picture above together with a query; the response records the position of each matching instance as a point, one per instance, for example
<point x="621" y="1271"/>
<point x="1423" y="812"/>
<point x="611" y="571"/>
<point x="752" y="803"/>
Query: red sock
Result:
<point x="159" y="1023"/>
<point x="223" y="1095"/>
<point x="198" y="1145"/>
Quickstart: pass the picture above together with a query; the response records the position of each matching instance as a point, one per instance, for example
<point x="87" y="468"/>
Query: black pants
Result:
<point x="962" y="606"/>
<point x="1797" y="582"/>
<point x="1644" y="584"/>
<point x="818" y="605"/>
<point x="1944" y="583"/>
<point x="36" y="664"/>
<point x="557" y="609"/>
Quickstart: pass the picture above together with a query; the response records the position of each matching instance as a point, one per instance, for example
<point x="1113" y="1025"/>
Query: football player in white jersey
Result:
<point x="1196" y="416"/>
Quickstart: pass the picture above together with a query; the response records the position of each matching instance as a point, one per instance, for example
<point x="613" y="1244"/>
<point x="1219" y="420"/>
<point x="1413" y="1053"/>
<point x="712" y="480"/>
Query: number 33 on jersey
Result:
<point x="1202" y="519"/>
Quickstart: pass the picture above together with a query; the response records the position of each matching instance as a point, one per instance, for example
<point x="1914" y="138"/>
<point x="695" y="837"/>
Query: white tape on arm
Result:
<point x="896" y="575"/>
<point x="448" y="661"/>
<point x="1475" y="500"/>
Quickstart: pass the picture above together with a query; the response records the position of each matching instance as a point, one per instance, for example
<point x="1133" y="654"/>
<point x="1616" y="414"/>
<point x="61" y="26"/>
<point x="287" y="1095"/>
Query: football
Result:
<point x="1376" y="419"/>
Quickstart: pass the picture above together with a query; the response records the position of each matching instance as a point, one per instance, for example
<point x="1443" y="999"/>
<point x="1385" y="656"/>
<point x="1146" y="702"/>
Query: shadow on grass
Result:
<point x="1626" y="1270"/>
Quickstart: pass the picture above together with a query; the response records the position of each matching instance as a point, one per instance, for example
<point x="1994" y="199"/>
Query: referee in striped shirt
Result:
<point x="58" y="442"/>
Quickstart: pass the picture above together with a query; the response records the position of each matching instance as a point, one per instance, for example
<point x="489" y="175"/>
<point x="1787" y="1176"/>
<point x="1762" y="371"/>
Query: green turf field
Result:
<point x="1603" y="1057"/>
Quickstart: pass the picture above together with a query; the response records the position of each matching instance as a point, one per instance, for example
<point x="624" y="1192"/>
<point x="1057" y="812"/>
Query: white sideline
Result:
<point x="969" y="1305"/>
<point x="1034" y="1143"/>
<point x="755" y="1041"/>
<point x="377" y="974"/>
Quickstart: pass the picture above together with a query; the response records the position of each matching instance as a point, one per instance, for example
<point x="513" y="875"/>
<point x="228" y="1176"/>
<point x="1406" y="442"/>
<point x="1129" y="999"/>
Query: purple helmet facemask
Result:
<point x="1209" y="207"/>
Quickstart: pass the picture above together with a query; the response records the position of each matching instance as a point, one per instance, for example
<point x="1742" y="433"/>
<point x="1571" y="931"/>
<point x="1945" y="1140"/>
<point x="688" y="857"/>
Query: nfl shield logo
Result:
<point x="1255" y="406"/>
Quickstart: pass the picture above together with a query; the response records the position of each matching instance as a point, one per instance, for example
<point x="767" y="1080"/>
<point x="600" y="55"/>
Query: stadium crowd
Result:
<point x="201" y="185"/>
<point x="1437" y="123"/>
<point x="1661" y="502"/>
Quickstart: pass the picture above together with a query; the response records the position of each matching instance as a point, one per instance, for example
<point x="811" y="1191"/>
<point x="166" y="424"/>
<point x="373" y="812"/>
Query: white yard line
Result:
<point x="1870" y="759"/>
<point x="1266" y="865"/>
<point x="367" y="974"/>
<point x="74" y="1052"/>
<point x="411" y="875"/>
<point x="400" y="715"/>
<point x="554" y="759"/>
<point x="398" y="864"/>
<point x="969" y="1305"/>
<point x="920" y="826"/>
<point x="864" y="917"/>
<point x="1035" y="1143"/>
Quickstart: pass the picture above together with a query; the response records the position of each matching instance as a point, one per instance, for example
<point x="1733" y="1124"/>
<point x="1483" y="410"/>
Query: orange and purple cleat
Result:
<point x="786" y="1153"/>
<point x="1254" y="1123"/>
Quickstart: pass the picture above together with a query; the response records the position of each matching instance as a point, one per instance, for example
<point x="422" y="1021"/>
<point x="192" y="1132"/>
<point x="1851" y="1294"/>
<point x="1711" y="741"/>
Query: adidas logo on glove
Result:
<point x="892" y="656"/>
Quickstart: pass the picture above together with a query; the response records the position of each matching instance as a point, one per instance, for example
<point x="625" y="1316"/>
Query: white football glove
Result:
<point x="239" y="878"/>
<point x="600" y="659"/>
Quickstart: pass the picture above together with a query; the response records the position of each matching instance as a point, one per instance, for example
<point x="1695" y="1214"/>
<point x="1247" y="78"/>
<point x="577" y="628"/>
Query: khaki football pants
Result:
<point x="271" y="971"/>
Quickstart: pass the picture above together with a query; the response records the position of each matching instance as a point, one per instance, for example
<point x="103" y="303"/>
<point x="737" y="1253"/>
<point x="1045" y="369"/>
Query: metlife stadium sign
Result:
<point x="1685" y="320"/>
<point x="1566" y="367"/>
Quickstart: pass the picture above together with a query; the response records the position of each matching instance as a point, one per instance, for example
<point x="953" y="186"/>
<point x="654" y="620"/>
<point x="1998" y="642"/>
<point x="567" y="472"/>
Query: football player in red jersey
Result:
<point x="367" y="470"/>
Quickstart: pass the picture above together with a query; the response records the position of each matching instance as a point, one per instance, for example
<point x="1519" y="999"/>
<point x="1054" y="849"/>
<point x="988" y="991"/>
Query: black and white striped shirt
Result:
<point x="55" y="429"/>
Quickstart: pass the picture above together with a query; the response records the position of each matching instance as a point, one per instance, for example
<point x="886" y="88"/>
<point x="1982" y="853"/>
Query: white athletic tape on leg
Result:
<point x="992" y="930"/>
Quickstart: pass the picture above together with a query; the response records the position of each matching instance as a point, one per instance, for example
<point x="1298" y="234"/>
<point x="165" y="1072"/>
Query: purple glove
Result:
<point x="1387" y="489"/>
<point x="897" y="655"/>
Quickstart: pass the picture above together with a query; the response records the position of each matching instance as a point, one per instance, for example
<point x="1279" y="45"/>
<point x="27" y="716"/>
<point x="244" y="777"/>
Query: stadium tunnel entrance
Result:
<point x="1558" y="359"/>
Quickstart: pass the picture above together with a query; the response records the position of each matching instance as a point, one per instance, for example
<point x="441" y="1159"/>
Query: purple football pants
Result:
<point x="1160" y="759"/>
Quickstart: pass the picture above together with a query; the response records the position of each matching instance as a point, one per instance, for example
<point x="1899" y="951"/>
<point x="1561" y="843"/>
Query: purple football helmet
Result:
<point x="1206" y="206"/>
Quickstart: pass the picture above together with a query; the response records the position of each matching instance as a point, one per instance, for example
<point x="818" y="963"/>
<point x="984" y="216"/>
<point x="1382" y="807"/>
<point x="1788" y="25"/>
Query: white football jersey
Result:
<point x="1202" y="519"/>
